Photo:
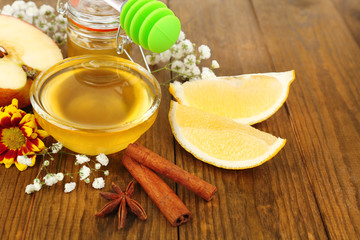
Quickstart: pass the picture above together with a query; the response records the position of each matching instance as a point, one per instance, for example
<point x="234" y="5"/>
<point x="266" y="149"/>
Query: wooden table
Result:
<point x="310" y="190"/>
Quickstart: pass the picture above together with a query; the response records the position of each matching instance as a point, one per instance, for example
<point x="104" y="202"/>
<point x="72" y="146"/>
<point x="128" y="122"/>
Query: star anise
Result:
<point x="119" y="200"/>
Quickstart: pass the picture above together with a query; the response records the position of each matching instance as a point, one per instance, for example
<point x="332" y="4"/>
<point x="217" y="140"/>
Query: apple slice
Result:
<point x="24" y="52"/>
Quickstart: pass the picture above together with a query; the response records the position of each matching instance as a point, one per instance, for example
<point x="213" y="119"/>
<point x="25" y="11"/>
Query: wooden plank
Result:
<point x="15" y="204"/>
<point x="271" y="201"/>
<point x="324" y="104"/>
<point x="350" y="12"/>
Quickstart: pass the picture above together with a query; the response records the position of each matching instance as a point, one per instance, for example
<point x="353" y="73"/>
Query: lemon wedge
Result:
<point x="220" y="141"/>
<point x="247" y="99"/>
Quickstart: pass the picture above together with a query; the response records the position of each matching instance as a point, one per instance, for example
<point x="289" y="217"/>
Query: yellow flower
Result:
<point x="19" y="135"/>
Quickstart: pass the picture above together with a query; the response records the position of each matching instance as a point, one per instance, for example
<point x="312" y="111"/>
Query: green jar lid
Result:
<point x="129" y="15"/>
<point x="140" y="17"/>
<point x="150" y="23"/>
<point x="164" y="34"/>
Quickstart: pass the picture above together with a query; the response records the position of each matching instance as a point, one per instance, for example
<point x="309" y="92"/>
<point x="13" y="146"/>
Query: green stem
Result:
<point x="60" y="160"/>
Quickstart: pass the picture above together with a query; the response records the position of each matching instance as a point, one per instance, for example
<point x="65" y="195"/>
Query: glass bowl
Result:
<point x="95" y="103"/>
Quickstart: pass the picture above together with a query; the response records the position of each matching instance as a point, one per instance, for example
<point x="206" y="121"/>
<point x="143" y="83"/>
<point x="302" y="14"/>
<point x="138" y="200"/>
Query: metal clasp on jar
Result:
<point x="62" y="8"/>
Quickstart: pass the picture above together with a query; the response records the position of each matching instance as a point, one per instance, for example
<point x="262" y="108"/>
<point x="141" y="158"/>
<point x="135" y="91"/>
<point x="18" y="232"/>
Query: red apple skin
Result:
<point x="21" y="94"/>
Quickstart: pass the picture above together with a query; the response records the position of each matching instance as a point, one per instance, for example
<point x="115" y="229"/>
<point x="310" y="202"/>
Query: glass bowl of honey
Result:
<point x="95" y="103"/>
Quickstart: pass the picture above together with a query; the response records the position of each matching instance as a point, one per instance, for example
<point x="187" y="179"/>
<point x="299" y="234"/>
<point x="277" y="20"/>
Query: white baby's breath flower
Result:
<point x="19" y="5"/>
<point x="29" y="188"/>
<point x="194" y="70"/>
<point x="84" y="172"/>
<point x="28" y="18"/>
<point x="36" y="180"/>
<point x="37" y="186"/>
<point x="194" y="78"/>
<point x="60" y="19"/>
<point x="106" y="173"/>
<point x="98" y="183"/>
<point x="32" y="11"/>
<point x="207" y="73"/>
<point x="50" y="179"/>
<point x="30" y="4"/>
<point x="59" y="176"/>
<point x="97" y="166"/>
<point x="51" y="28"/>
<point x="19" y="14"/>
<point x="59" y="37"/>
<point x="187" y="46"/>
<point x="87" y="180"/>
<point x="181" y="37"/>
<point x="153" y="59"/>
<point x="81" y="159"/>
<point x="178" y="66"/>
<point x="23" y="159"/>
<point x="42" y="26"/>
<point x="177" y="51"/>
<point x="7" y="10"/>
<point x="186" y="72"/>
<point x="204" y="51"/>
<point x="56" y="147"/>
<point x="46" y="10"/>
<point x="102" y="159"/>
<point x="69" y="187"/>
<point x="46" y="163"/>
<point x="165" y="56"/>
<point x="214" y="64"/>
<point x="190" y="60"/>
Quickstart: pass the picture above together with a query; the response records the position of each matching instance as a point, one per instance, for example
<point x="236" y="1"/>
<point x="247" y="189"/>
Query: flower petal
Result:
<point x="26" y="119"/>
<point x="42" y="134"/>
<point x="16" y="118"/>
<point x="31" y="146"/>
<point x="3" y="147"/>
<point x="31" y="123"/>
<point x="33" y="160"/>
<point x="33" y="136"/>
<point x="24" y="150"/>
<point x="15" y="102"/>
<point x="38" y="143"/>
<point x="27" y="131"/>
<point x="5" y="120"/>
<point x="20" y="166"/>
<point x="10" y="157"/>
<point x="2" y="157"/>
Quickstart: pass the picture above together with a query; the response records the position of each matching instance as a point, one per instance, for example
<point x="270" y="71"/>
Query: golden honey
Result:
<point x="96" y="109"/>
<point x="92" y="28"/>
<point x="81" y="41"/>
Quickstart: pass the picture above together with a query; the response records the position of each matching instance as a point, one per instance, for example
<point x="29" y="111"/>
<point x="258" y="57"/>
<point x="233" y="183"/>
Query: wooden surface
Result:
<point x="310" y="190"/>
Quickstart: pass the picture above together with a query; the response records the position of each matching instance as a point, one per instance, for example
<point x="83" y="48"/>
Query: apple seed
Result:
<point x="3" y="52"/>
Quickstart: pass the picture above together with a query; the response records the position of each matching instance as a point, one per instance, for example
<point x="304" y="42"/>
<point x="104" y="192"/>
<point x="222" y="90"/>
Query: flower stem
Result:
<point x="60" y="160"/>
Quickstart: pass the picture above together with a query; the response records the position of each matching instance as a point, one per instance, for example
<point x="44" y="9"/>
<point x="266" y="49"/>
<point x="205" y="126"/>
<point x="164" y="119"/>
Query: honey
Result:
<point x="97" y="109"/>
<point x="82" y="41"/>
<point x="97" y="98"/>
<point x="92" y="28"/>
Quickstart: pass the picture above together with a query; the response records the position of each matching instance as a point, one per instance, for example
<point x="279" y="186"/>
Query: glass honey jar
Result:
<point x="92" y="28"/>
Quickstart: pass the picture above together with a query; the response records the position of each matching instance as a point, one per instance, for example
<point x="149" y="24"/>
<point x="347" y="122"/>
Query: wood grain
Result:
<point x="350" y="12"/>
<point x="324" y="105"/>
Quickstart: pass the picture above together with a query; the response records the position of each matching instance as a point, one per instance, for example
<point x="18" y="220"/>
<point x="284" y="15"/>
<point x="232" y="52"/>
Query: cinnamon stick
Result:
<point x="161" y="194"/>
<point x="170" y="170"/>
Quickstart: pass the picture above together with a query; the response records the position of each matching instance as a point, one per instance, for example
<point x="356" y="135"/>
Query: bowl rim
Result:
<point x="59" y="122"/>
